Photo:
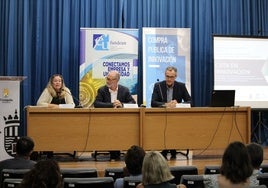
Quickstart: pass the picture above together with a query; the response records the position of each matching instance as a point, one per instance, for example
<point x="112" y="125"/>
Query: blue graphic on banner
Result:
<point x="100" y="42"/>
<point x="104" y="50"/>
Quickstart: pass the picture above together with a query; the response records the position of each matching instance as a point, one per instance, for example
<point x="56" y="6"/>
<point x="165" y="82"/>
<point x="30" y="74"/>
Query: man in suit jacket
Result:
<point x="168" y="93"/>
<point x="113" y="95"/>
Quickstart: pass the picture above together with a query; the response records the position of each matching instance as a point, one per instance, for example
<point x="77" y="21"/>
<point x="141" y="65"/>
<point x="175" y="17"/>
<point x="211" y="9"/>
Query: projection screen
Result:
<point x="241" y="63"/>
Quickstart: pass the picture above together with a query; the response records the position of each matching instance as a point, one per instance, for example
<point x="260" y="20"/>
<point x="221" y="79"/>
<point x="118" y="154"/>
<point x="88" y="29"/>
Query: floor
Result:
<point x="197" y="158"/>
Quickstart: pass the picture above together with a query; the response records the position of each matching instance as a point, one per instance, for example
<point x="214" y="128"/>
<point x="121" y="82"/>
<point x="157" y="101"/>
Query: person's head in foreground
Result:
<point x="236" y="167"/>
<point x="45" y="174"/>
<point x="155" y="169"/>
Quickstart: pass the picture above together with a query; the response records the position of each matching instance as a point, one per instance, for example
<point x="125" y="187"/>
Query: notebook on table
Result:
<point x="222" y="98"/>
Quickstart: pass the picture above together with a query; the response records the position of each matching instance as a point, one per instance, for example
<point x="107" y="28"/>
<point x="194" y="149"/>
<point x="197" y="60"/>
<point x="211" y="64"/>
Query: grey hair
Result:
<point x="171" y="68"/>
<point x="117" y="75"/>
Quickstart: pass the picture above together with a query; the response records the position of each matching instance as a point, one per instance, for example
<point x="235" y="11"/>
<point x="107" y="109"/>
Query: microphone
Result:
<point x="161" y="93"/>
<point x="76" y="99"/>
<point x="160" y="90"/>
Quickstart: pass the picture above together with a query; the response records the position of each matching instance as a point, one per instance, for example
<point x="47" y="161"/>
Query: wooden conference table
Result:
<point x="152" y="128"/>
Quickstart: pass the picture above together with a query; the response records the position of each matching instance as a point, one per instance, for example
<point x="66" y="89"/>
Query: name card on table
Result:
<point x="66" y="105"/>
<point x="183" y="105"/>
<point x="127" y="105"/>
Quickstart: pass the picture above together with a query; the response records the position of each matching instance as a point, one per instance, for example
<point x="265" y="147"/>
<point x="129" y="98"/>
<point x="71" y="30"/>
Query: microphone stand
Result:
<point x="160" y="90"/>
<point x="258" y="129"/>
<point x="76" y="99"/>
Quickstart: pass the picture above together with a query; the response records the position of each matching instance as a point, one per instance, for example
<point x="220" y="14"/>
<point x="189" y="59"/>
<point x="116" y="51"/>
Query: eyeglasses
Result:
<point x="170" y="77"/>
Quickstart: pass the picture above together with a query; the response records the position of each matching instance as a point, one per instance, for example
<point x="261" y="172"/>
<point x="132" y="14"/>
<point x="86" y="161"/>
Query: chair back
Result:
<point x="263" y="179"/>
<point x="12" y="173"/>
<point x="132" y="181"/>
<point x="99" y="182"/>
<point x="264" y="168"/>
<point x="11" y="182"/>
<point x="178" y="171"/>
<point x="192" y="181"/>
<point x="79" y="172"/>
<point x="114" y="173"/>
<point x="212" y="169"/>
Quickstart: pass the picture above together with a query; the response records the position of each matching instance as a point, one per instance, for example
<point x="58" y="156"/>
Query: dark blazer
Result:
<point x="103" y="98"/>
<point x="159" y="96"/>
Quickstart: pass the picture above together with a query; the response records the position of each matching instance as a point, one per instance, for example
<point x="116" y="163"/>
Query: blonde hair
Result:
<point x="52" y="91"/>
<point x="155" y="169"/>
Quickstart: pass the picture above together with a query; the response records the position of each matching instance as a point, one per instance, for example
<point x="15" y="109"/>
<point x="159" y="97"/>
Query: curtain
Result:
<point x="39" y="38"/>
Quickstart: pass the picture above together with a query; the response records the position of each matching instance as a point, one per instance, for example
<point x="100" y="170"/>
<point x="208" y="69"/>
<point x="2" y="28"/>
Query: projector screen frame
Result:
<point x="260" y="99"/>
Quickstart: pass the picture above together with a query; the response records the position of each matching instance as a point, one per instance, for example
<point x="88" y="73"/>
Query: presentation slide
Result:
<point x="241" y="63"/>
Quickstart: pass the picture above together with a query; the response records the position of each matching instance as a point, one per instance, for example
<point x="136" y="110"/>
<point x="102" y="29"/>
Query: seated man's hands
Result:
<point x="117" y="104"/>
<point x="171" y="104"/>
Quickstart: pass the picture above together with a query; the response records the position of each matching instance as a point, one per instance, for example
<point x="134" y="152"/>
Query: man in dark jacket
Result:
<point x="113" y="95"/>
<point x="168" y="93"/>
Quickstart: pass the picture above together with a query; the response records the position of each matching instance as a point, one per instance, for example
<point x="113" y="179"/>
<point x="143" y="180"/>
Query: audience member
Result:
<point x="24" y="148"/>
<point x="235" y="170"/>
<point x="113" y="95"/>
<point x="168" y="93"/>
<point x="256" y="157"/>
<point x="45" y="174"/>
<point x="133" y="160"/>
<point x="55" y="93"/>
<point x="156" y="172"/>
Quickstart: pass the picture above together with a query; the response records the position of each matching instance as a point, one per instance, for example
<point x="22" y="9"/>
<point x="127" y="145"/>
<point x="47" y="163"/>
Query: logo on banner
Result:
<point x="100" y="42"/>
<point x="11" y="133"/>
<point x="5" y="96"/>
<point x="5" y="92"/>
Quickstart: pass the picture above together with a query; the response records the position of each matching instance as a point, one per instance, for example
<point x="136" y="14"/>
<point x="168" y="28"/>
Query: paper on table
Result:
<point x="66" y="105"/>
<point x="127" y="105"/>
<point x="183" y="105"/>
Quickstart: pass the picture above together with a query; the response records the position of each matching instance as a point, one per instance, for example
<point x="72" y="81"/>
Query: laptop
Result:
<point x="222" y="98"/>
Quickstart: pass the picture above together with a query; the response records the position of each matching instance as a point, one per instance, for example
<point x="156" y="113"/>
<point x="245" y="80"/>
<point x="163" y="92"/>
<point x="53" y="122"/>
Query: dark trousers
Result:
<point x="172" y="152"/>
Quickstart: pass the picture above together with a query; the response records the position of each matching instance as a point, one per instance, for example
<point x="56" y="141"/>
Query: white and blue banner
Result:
<point x="10" y="115"/>
<point x="163" y="47"/>
<point x="103" y="50"/>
